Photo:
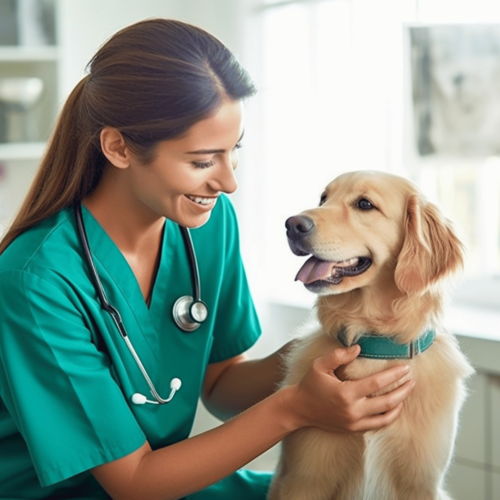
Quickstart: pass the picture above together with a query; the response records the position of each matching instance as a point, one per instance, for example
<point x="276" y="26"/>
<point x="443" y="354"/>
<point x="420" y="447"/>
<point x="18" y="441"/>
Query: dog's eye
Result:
<point x="322" y="199"/>
<point x="364" y="204"/>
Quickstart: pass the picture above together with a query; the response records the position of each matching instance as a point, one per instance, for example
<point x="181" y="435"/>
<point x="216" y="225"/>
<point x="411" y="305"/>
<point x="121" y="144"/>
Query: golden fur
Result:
<point x="412" y="248"/>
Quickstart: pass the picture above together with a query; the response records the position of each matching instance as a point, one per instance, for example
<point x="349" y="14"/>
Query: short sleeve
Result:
<point x="56" y="385"/>
<point x="237" y="325"/>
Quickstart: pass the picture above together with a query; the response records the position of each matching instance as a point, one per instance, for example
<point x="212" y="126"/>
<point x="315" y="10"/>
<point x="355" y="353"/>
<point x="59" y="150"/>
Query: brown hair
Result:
<point x="151" y="81"/>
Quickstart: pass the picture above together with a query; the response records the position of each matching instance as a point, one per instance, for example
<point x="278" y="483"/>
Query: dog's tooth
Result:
<point x="347" y="263"/>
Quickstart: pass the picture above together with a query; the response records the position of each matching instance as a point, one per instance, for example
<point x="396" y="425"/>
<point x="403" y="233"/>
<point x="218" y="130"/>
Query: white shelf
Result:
<point x="18" y="53"/>
<point x="473" y="321"/>
<point x="22" y="151"/>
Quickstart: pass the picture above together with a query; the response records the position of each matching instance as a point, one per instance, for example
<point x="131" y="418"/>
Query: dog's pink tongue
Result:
<point x="314" y="270"/>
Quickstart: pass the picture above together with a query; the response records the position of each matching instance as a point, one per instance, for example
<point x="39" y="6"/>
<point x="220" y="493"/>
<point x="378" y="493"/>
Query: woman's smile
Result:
<point x="203" y="202"/>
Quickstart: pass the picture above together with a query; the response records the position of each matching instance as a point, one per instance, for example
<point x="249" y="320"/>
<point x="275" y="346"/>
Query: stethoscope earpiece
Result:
<point x="140" y="399"/>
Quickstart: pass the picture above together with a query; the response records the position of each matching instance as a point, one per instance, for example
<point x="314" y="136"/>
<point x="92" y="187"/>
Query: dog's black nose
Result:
<point x="298" y="226"/>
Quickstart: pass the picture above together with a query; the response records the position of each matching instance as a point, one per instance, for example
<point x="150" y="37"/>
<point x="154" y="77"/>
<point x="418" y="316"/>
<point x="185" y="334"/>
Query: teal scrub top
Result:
<point x="66" y="375"/>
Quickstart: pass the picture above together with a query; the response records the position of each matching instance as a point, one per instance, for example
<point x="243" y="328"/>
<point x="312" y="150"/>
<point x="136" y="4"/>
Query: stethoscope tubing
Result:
<point x="93" y="271"/>
<point x="195" y="275"/>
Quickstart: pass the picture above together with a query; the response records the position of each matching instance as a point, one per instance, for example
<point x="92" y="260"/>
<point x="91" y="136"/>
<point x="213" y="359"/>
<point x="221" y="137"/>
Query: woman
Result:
<point x="146" y="143"/>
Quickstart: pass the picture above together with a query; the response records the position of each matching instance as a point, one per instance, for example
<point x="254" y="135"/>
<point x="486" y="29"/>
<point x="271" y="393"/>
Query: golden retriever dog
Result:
<point x="379" y="254"/>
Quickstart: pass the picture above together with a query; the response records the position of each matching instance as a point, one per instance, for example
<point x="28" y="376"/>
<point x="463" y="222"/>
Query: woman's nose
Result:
<point x="225" y="179"/>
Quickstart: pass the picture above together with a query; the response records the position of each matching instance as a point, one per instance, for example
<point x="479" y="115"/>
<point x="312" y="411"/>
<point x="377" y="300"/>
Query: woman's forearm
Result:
<point x="246" y="383"/>
<point x="188" y="466"/>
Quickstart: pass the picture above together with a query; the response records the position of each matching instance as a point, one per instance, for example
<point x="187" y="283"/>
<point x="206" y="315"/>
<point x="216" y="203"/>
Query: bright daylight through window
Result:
<point x="406" y="86"/>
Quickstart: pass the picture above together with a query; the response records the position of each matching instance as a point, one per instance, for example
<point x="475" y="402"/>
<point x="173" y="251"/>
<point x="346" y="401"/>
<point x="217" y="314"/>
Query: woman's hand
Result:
<point x="321" y="400"/>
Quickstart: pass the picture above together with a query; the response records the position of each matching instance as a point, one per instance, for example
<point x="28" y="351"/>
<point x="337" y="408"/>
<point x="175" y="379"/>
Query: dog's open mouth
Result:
<point x="315" y="270"/>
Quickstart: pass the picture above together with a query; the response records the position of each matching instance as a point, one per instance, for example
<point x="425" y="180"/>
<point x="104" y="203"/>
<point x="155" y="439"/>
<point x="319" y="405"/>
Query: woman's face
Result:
<point x="189" y="173"/>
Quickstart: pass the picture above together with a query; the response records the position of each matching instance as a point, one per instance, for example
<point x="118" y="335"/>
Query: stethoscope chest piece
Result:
<point x="188" y="313"/>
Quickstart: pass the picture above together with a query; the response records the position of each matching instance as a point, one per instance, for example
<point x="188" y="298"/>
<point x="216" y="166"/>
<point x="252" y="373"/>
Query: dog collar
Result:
<point x="378" y="347"/>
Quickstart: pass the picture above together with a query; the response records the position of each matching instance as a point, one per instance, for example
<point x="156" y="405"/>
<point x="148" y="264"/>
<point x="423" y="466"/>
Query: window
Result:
<point x="336" y="95"/>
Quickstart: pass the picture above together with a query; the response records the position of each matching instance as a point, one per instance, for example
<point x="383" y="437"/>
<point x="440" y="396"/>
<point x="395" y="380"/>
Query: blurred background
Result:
<point x="405" y="86"/>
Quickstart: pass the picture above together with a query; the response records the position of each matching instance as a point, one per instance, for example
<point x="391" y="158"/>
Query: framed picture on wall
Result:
<point x="455" y="89"/>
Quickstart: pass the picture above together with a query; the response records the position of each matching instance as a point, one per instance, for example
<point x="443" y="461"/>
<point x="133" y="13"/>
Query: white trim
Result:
<point x="22" y="151"/>
<point x="28" y="54"/>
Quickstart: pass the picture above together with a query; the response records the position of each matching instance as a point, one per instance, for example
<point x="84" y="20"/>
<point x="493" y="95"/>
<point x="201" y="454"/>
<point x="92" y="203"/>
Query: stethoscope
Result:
<point x="188" y="313"/>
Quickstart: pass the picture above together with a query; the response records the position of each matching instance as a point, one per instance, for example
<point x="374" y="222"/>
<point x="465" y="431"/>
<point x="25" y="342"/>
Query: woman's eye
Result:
<point x="364" y="204"/>
<point x="322" y="199"/>
<point x="203" y="164"/>
<point x="238" y="146"/>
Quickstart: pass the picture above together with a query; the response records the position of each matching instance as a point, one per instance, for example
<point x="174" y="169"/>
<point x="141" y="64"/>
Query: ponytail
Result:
<point x="51" y="190"/>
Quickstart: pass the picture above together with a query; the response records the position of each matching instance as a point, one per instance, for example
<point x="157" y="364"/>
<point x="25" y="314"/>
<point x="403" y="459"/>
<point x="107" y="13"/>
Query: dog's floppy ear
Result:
<point x="430" y="251"/>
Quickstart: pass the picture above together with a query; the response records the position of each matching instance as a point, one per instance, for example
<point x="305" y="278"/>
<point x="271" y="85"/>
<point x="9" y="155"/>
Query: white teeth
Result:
<point x="202" y="201"/>
<point x="346" y="263"/>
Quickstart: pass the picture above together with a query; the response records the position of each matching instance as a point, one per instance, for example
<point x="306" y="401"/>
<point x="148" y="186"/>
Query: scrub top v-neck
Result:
<point x="66" y="375"/>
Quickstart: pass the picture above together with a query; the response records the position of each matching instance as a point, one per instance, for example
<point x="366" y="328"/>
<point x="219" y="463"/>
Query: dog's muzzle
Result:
<point x="317" y="272"/>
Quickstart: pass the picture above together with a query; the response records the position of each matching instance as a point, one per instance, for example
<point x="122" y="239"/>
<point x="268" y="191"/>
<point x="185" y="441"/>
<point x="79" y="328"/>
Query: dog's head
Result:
<point x="373" y="229"/>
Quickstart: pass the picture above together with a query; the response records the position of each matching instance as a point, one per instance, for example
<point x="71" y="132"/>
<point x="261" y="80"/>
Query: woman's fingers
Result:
<point x="374" y="383"/>
<point x="387" y="402"/>
<point x="329" y="362"/>
<point x="376" y="422"/>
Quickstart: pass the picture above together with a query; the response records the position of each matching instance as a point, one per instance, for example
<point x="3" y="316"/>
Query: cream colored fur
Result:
<point x="413" y="248"/>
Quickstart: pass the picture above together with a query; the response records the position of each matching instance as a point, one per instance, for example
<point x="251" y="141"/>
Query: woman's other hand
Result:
<point x="322" y="400"/>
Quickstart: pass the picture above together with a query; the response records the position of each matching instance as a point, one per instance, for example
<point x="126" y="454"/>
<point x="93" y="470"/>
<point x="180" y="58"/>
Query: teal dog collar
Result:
<point x="378" y="347"/>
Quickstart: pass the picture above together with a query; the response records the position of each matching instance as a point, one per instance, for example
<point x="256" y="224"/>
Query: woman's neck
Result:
<point x="132" y="227"/>
<point x="134" y="230"/>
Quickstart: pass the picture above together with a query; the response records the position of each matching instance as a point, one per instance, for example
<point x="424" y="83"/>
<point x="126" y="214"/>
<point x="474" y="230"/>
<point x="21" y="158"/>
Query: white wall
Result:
<point x="85" y="24"/>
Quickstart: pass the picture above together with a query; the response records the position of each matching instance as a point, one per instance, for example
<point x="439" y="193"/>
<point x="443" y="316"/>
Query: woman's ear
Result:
<point x="114" y="147"/>
<point x="430" y="250"/>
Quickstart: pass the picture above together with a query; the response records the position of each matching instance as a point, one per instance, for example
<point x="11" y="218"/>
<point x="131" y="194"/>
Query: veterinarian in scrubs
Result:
<point x="146" y="143"/>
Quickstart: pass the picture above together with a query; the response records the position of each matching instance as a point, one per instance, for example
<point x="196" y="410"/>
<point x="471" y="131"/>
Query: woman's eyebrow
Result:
<point x="212" y="151"/>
